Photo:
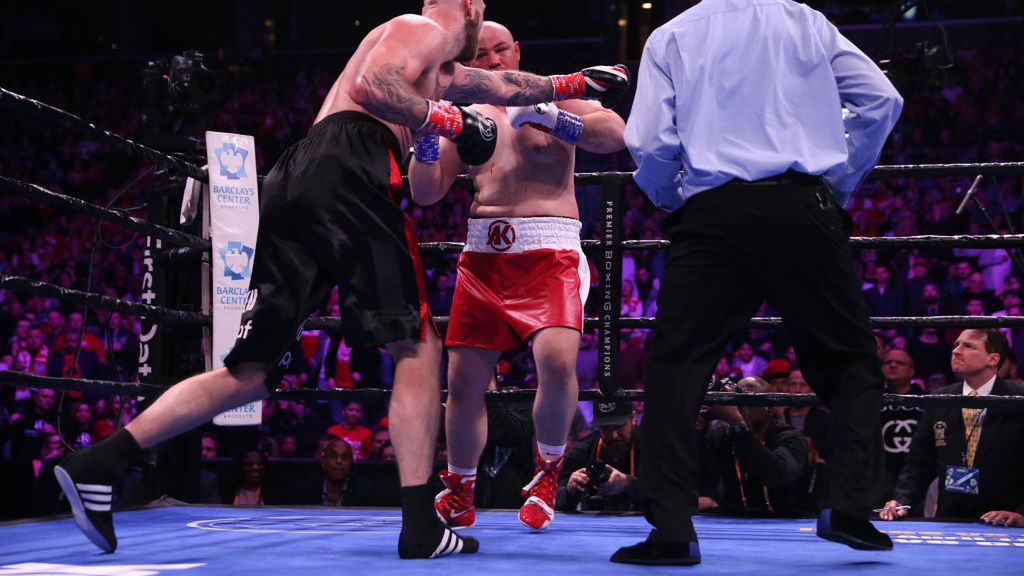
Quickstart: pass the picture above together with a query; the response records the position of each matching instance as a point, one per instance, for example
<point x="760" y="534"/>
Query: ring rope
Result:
<point x="68" y="120"/>
<point x="35" y="192"/>
<point x="334" y="322"/>
<point x="11" y="378"/>
<point x="71" y="296"/>
<point x="860" y="242"/>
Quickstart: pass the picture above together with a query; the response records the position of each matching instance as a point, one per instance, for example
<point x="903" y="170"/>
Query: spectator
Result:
<point x="88" y="340"/>
<point x="78" y="427"/>
<point x="977" y="454"/>
<point x="747" y="362"/>
<point x="115" y="412"/>
<point x="71" y="362"/>
<point x="613" y="446"/>
<point x="898" y="422"/>
<point x="208" y="446"/>
<point x="884" y="297"/>
<point x="380" y="438"/>
<point x="124" y="347"/>
<point x="250" y="471"/>
<point x="352" y="430"/>
<point x="976" y="290"/>
<point x="777" y="374"/>
<point x="813" y="422"/>
<point x="31" y="422"/>
<point x="36" y="354"/>
<point x="930" y="353"/>
<point x="336" y="486"/>
<point x="758" y="461"/>
<point x="632" y="305"/>
<point x="927" y="302"/>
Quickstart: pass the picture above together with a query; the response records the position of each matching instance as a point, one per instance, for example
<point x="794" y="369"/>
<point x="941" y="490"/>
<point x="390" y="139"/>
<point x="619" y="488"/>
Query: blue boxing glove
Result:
<point x="474" y="134"/>
<point x="427" y="148"/>
<point x="547" y="117"/>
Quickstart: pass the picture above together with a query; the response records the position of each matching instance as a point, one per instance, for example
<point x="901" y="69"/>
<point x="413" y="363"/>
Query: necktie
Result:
<point x="972" y="429"/>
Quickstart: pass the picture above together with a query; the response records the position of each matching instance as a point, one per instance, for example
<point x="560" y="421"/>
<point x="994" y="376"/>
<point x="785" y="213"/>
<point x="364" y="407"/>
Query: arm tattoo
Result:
<point x="531" y="89"/>
<point x="505" y="88"/>
<point x="475" y="87"/>
<point x="393" y="98"/>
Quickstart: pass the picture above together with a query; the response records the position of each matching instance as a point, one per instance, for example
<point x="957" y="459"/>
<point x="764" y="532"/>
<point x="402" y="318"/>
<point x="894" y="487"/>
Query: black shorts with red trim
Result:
<point x="328" y="217"/>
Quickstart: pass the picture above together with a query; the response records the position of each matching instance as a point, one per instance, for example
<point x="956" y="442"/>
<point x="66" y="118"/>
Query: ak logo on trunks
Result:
<point x="232" y="160"/>
<point x="237" y="261"/>
<point x="501" y="236"/>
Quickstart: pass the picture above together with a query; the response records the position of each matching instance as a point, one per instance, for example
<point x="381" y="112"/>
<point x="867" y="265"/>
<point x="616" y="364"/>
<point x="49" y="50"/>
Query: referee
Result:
<point x="745" y="97"/>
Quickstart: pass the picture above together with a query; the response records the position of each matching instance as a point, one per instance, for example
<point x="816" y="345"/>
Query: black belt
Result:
<point x="791" y="177"/>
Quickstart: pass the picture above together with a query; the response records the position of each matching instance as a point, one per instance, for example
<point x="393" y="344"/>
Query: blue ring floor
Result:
<point x="187" y="540"/>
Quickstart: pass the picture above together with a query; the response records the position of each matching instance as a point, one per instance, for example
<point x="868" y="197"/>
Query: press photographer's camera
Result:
<point x="598" y="474"/>
<point x="724" y="385"/>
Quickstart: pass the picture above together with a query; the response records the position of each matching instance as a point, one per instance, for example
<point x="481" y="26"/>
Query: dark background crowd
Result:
<point x="281" y="65"/>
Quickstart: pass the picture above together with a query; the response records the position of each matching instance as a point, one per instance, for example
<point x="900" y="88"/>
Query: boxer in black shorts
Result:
<point x="328" y="217"/>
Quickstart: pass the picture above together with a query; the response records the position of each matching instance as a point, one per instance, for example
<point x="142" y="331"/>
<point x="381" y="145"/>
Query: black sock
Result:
<point x="418" y="507"/>
<point x="122" y="445"/>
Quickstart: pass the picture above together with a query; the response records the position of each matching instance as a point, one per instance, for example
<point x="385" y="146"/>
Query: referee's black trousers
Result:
<point x="731" y="248"/>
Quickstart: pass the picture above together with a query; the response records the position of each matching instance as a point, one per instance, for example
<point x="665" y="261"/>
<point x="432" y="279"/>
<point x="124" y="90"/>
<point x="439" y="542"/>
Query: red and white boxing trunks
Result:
<point x="516" y="276"/>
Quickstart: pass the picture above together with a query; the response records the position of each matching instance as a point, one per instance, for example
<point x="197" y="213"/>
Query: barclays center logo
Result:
<point x="237" y="259"/>
<point x="232" y="160"/>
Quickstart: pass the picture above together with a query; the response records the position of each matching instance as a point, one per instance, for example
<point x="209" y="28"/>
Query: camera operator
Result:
<point x="758" y="462"/>
<point x="600" y="470"/>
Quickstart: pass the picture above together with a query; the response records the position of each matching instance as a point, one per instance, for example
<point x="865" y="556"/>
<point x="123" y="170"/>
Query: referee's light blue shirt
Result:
<point x="749" y="89"/>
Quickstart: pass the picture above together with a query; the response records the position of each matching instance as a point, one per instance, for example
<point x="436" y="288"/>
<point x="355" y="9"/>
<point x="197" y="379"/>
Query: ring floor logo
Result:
<point x="41" y="569"/>
<point x="232" y="160"/>
<point x="305" y="524"/>
<point x="237" y="260"/>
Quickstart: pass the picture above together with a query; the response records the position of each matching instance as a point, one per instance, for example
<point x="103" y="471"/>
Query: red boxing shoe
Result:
<point x="454" y="504"/>
<point x="539" y="509"/>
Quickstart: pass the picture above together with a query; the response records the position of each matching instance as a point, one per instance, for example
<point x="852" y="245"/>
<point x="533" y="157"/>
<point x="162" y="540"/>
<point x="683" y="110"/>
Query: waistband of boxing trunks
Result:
<point x="359" y="118"/>
<point x="513" y="235"/>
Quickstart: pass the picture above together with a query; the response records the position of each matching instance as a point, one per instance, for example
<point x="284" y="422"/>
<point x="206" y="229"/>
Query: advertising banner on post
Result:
<point x="234" y="222"/>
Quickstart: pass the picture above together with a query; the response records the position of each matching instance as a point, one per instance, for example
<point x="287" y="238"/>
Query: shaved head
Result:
<point x="497" y="50"/>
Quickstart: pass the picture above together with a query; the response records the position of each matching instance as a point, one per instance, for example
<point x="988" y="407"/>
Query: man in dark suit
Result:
<point x="885" y="298"/>
<point x="337" y="486"/>
<point x="978" y="455"/>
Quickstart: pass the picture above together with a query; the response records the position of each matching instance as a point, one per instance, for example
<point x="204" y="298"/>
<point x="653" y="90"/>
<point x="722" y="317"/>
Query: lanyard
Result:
<point x="979" y="416"/>
<point x="743" y="490"/>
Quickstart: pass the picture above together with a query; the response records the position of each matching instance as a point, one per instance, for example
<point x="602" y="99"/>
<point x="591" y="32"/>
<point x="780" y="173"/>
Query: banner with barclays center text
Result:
<point x="234" y="222"/>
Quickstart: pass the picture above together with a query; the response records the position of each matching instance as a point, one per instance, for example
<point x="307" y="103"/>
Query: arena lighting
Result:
<point x="646" y="5"/>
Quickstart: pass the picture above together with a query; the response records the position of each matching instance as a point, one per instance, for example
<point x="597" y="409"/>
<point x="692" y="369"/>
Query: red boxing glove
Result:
<point x="443" y="119"/>
<point x="607" y="84"/>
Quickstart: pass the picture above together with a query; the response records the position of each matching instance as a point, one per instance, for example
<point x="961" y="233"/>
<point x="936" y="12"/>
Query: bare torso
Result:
<point x="429" y="85"/>
<point x="530" y="174"/>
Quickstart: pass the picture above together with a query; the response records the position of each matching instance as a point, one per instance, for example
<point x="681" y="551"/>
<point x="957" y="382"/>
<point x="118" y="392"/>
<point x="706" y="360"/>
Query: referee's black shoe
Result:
<point x="654" y="552"/>
<point x="88" y="477"/>
<point x="856" y="533"/>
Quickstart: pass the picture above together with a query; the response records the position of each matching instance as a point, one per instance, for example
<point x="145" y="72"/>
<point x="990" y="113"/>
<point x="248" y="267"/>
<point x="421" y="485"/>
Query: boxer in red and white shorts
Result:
<point x="515" y="277"/>
<point x="521" y="279"/>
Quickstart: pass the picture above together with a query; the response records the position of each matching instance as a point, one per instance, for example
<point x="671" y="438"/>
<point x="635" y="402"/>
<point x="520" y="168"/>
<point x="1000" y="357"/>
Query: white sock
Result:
<point x="550" y="453"/>
<point x="464" y="472"/>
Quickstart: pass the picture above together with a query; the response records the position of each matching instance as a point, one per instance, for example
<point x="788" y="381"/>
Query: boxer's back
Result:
<point x="427" y="85"/>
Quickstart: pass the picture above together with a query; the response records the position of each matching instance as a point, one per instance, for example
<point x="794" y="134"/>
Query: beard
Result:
<point x="470" y="41"/>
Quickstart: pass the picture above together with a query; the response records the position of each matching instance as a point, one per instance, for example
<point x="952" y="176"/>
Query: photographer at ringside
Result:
<point x="600" y="470"/>
<point x="757" y="463"/>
